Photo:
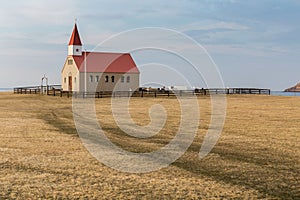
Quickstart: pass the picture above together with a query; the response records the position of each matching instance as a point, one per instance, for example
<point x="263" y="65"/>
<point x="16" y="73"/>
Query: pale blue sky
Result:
<point x="254" y="43"/>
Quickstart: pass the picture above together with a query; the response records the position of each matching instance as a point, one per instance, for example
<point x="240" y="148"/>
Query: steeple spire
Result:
<point x="75" y="38"/>
<point x="75" y="45"/>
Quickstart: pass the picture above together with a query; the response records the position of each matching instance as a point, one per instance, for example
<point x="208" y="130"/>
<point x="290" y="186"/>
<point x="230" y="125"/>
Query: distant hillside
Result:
<point x="296" y="88"/>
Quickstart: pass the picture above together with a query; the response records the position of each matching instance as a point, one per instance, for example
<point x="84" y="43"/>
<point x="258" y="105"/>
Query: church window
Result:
<point x="122" y="79"/>
<point x="106" y="79"/>
<point x="91" y="78"/>
<point x="70" y="62"/>
<point x="113" y="79"/>
<point x="97" y="78"/>
<point x="65" y="80"/>
<point x="128" y="79"/>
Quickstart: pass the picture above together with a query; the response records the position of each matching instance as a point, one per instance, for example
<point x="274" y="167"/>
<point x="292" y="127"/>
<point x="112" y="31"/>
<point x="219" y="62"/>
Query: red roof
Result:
<point x="75" y="38"/>
<point x="106" y="62"/>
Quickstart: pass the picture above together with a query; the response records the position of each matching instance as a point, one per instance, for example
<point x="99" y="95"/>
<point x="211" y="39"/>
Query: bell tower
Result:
<point x="75" y="46"/>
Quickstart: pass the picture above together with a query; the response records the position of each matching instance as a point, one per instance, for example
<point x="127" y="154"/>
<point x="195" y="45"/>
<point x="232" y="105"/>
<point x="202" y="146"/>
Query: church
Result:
<point x="85" y="71"/>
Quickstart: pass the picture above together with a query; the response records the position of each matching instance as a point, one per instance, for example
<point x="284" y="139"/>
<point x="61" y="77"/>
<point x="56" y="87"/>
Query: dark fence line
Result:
<point x="55" y="90"/>
<point x="239" y="91"/>
<point x="160" y="93"/>
<point x="36" y="89"/>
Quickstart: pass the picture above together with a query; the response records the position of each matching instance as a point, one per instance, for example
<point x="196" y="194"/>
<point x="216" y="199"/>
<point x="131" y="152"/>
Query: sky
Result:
<point x="253" y="43"/>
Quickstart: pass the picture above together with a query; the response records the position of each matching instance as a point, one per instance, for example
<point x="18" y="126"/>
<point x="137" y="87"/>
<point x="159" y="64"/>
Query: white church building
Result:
<point x="97" y="71"/>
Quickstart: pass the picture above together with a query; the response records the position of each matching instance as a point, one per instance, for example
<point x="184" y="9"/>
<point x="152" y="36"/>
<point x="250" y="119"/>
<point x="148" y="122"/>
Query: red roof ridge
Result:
<point x="107" y="52"/>
<point x="75" y="38"/>
<point x="106" y="62"/>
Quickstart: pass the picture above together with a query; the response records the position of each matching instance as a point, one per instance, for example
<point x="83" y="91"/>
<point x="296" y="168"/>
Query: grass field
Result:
<point x="257" y="155"/>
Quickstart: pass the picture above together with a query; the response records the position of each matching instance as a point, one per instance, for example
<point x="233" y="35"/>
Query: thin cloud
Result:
<point x="255" y="50"/>
<point x="214" y="26"/>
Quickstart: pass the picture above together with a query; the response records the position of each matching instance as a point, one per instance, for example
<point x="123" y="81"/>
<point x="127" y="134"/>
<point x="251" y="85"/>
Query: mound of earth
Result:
<point x="295" y="88"/>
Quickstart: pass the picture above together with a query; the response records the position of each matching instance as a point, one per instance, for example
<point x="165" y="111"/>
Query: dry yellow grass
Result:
<point x="257" y="155"/>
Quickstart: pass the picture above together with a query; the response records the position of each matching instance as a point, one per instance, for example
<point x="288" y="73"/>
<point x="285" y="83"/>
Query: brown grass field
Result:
<point x="256" y="157"/>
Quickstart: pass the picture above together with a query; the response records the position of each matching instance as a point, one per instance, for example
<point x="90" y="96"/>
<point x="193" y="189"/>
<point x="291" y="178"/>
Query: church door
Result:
<point x="70" y="83"/>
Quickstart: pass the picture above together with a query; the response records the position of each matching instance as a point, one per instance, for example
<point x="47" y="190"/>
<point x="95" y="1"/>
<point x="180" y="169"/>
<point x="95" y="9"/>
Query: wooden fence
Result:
<point x="159" y="93"/>
<point x="37" y="89"/>
<point x="55" y="90"/>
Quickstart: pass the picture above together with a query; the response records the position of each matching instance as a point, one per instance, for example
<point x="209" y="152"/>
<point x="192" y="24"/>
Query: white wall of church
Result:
<point x="70" y="71"/>
<point x="109" y="82"/>
<point x="72" y="79"/>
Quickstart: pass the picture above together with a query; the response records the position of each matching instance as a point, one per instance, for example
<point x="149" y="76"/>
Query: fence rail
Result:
<point x="36" y="89"/>
<point x="55" y="90"/>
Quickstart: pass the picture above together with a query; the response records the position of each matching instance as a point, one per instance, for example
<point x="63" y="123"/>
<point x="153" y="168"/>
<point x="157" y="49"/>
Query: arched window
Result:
<point x="128" y="79"/>
<point x="122" y="79"/>
<point x="65" y="80"/>
<point x="113" y="79"/>
<point x="106" y="79"/>
<point x="74" y="79"/>
<point x="91" y="78"/>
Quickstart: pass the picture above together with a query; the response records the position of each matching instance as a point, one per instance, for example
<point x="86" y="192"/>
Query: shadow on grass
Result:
<point x="60" y="120"/>
<point x="270" y="173"/>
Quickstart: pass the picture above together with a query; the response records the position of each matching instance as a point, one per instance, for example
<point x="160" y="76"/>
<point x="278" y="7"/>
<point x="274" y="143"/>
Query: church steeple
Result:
<point x="75" y="46"/>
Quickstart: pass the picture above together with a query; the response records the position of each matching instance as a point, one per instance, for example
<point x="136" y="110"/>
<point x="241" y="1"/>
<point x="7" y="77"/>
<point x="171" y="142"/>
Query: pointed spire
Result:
<point x="75" y="38"/>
